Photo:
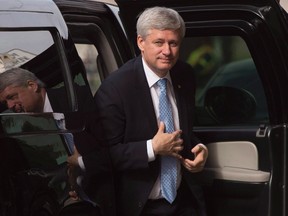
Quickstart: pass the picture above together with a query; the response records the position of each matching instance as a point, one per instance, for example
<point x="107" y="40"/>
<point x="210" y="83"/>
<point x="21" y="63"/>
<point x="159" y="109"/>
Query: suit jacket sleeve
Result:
<point x="125" y="154"/>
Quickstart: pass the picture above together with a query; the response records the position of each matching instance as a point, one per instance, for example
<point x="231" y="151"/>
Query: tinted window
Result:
<point x="95" y="51"/>
<point x="224" y="61"/>
<point x="88" y="53"/>
<point x="19" y="47"/>
<point x="43" y="53"/>
<point x="44" y="151"/>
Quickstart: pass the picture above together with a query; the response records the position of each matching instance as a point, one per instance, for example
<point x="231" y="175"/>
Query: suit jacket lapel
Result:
<point x="58" y="99"/>
<point x="144" y="96"/>
<point x="145" y="103"/>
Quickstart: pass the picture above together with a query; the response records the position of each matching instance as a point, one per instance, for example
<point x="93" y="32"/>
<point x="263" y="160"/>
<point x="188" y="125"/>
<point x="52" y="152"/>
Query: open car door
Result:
<point x="239" y="50"/>
<point x="98" y="35"/>
<point x="34" y="146"/>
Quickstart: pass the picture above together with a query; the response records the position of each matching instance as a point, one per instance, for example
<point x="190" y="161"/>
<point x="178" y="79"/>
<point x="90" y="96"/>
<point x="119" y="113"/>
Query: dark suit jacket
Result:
<point x="128" y="118"/>
<point x="59" y="102"/>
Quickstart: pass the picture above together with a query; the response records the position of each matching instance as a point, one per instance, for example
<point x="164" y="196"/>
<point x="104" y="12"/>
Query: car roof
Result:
<point x="19" y="13"/>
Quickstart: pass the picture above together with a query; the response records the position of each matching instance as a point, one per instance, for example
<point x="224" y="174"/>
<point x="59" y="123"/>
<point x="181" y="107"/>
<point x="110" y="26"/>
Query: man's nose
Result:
<point x="10" y="104"/>
<point x="166" y="49"/>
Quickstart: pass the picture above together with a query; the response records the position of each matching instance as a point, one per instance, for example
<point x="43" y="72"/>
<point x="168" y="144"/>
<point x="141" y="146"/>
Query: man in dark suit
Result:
<point x="22" y="91"/>
<point x="132" y="128"/>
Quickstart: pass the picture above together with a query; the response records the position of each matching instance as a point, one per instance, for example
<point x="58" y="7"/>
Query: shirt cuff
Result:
<point x="150" y="152"/>
<point x="81" y="163"/>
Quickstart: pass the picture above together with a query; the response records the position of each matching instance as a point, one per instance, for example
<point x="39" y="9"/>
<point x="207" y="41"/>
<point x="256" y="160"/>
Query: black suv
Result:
<point x="239" y="50"/>
<point x="33" y="179"/>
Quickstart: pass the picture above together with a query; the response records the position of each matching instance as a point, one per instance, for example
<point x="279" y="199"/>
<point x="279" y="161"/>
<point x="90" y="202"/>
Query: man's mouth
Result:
<point x="18" y="108"/>
<point x="166" y="59"/>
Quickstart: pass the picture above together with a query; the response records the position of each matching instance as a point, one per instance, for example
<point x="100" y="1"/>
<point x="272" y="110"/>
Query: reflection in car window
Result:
<point x="223" y="61"/>
<point x="19" y="47"/>
<point x="37" y="50"/>
<point x="44" y="151"/>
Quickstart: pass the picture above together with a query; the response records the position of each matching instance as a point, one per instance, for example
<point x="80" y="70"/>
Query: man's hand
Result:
<point x="73" y="159"/>
<point x="167" y="143"/>
<point x="201" y="153"/>
<point x="73" y="172"/>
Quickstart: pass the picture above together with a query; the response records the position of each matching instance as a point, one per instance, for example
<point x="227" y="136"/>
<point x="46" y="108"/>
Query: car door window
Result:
<point x="19" y="47"/>
<point x="44" y="151"/>
<point x="99" y="37"/>
<point x="88" y="53"/>
<point x="32" y="50"/>
<point x="225" y="61"/>
<point x="37" y="50"/>
<point x="95" y="50"/>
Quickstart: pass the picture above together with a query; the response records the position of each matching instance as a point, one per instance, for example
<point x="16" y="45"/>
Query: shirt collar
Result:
<point x="47" y="105"/>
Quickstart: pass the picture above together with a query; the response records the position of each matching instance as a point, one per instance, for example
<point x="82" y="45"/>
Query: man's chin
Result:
<point x="166" y="67"/>
<point x="18" y="110"/>
<point x="166" y="64"/>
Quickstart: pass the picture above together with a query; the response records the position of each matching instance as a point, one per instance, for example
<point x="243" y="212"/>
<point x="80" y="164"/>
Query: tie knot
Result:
<point x="162" y="83"/>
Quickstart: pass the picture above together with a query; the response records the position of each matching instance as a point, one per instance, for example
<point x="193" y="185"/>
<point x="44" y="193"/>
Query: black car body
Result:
<point x="239" y="51"/>
<point x="33" y="178"/>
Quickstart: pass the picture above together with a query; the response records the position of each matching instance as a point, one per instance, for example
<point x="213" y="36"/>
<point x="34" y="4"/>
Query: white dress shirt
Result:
<point x="152" y="80"/>
<point x="47" y="105"/>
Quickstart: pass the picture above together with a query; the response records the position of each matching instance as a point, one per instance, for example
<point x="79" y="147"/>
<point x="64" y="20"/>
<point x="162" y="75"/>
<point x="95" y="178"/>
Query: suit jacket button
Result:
<point x="140" y="204"/>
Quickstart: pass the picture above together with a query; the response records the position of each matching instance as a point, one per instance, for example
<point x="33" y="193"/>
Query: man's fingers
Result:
<point x="178" y="142"/>
<point x="199" y="148"/>
<point x="75" y="150"/>
<point x="177" y="156"/>
<point x="69" y="160"/>
<point x="161" y="128"/>
<point x="177" y="134"/>
<point x="74" y="195"/>
<point x="177" y="149"/>
<point x="193" y="166"/>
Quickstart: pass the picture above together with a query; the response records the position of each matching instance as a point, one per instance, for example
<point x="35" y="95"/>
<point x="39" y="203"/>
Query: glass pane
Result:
<point x="37" y="52"/>
<point x="224" y="61"/>
<point x="19" y="47"/>
<point x="88" y="53"/>
<point x="41" y="148"/>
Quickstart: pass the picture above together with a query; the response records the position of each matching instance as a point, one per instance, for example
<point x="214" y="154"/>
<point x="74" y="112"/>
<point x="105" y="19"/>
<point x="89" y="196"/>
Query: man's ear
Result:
<point x="33" y="85"/>
<point x="140" y="42"/>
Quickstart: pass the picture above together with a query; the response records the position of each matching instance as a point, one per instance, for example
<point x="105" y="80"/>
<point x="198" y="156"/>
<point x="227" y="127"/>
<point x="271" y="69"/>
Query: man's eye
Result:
<point x="158" y="43"/>
<point x="173" y="44"/>
<point x="12" y="97"/>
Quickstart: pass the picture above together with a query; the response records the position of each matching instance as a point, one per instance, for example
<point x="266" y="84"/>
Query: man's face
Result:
<point x="160" y="50"/>
<point x="21" y="98"/>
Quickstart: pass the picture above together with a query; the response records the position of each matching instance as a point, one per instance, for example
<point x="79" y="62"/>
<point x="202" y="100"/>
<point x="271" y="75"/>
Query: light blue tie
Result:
<point x="168" y="163"/>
